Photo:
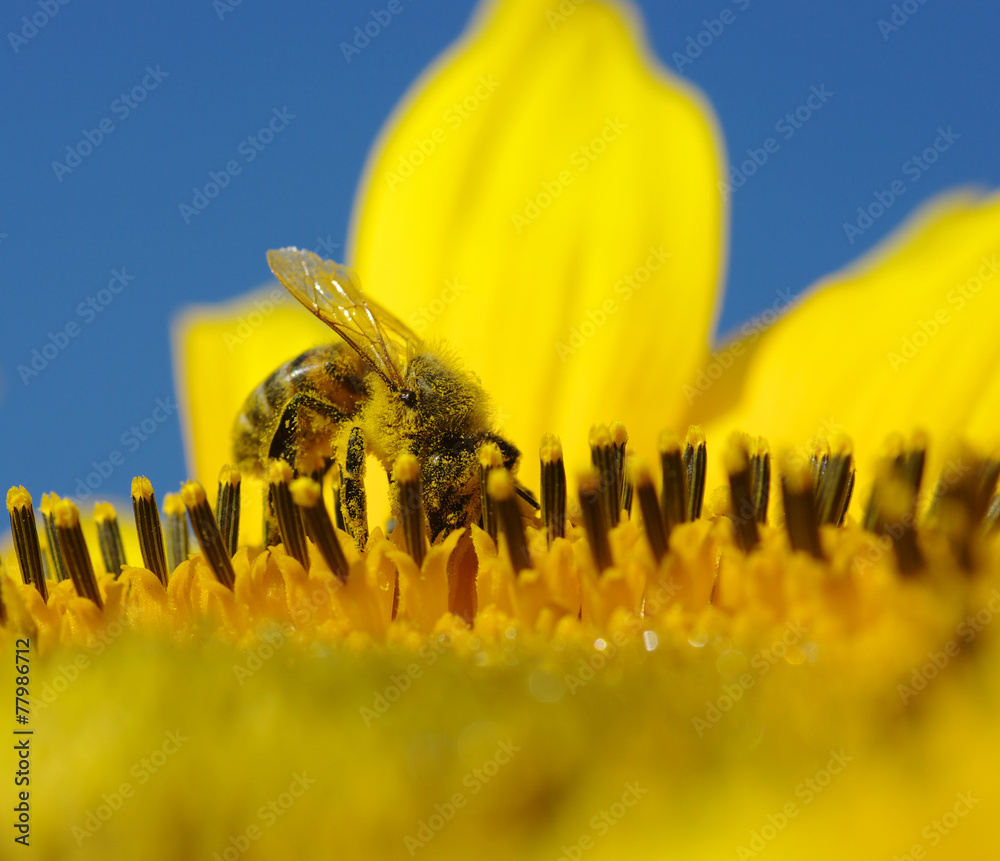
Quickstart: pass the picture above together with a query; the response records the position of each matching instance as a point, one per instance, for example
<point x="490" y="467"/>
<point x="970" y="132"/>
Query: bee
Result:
<point x="378" y="390"/>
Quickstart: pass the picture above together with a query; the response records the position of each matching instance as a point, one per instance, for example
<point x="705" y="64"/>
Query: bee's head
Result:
<point x="444" y="398"/>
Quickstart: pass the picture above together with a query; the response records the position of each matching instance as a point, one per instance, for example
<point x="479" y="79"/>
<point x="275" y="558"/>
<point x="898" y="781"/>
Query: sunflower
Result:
<point x="798" y="662"/>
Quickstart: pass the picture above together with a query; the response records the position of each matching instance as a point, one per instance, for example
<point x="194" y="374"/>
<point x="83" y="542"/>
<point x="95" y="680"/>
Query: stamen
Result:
<point x="744" y="512"/>
<point x="604" y="459"/>
<point x="760" y="477"/>
<point x="953" y="517"/>
<point x="897" y="519"/>
<point x="989" y="474"/>
<point x="992" y="519"/>
<point x="490" y="458"/>
<point x="206" y="530"/>
<point x="501" y="490"/>
<point x="594" y="522"/>
<point x="355" y="500"/>
<point x="649" y="506"/>
<point x="914" y="460"/>
<point x="307" y="494"/>
<point x="406" y="473"/>
<point x="800" y="509"/>
<point x="147" y="524"/>
<point x="695" y="459"/>
<point x="177" y="530"/>
<point x="892" y="464"/>
<point x="25" y="531"/>
<point x="74" y="550"/>
<point x="619" y="439"/>
<point x="227" y="507"/>
<point x="962" y="500"/>
<point x="109" y="538"/>
<point x="673" y="498"/>
<point x="833" y="496"/>
<point x="293" y="535"/>
<point x="553" y="488"/>
<point x="55" y="551"/>
<point x="818" y="463"/>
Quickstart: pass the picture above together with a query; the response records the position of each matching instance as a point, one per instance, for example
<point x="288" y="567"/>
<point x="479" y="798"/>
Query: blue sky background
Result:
<point x="60" y="241"/>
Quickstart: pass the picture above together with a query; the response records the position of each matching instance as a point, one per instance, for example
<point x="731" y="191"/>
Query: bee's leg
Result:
<point x="285" y="442"/>
<point x="355" y="503"/>
<point x="511" y="455"/>
<point x="338" y="506"/>
<point x="272" y="534"/>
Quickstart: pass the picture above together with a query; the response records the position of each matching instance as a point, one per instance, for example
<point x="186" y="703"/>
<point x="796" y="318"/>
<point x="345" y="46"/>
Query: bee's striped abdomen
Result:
<point x="297" y="411"/>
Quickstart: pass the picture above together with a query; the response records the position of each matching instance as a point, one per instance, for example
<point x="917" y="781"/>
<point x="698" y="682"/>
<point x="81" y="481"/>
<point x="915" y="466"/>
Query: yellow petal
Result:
<point x="423" y="591"/>
<point x="906" y="338"/>
<point x="536" y="171"/>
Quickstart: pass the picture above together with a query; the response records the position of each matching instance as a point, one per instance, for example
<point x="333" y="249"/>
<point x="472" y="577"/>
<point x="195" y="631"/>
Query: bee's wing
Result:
<point x="332" y="292"/>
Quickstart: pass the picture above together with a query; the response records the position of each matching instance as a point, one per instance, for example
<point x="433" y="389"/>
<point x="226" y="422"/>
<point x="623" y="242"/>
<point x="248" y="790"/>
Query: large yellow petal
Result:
<point x="546" y="200"/>
<point x="906" y="338"/>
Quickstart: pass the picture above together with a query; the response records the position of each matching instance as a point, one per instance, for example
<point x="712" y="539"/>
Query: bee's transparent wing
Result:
<point x="332" y="292"/>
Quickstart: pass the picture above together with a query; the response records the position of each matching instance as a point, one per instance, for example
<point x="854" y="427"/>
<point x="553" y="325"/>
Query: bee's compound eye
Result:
<point x="408" y="398"/>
